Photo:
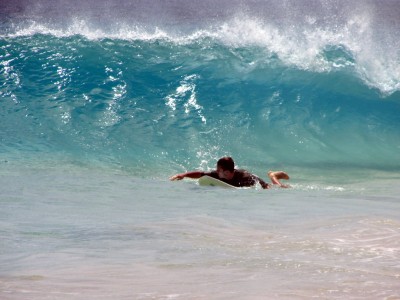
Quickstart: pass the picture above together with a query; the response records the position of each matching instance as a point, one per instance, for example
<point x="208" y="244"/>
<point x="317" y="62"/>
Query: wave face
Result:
<point x="177" y="85"/>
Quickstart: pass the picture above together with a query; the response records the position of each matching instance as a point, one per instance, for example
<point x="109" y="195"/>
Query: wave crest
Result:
<point x="374" y="57"/>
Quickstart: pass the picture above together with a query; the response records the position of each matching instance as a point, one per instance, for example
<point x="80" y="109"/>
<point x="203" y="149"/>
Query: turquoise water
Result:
<point x="74" y="234"/>
<point x="96" y="114"/>
<point x="165" y="101"/>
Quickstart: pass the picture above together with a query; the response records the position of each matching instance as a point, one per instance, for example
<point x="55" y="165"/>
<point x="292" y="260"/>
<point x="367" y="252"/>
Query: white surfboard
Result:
<point x="210" y="181"/>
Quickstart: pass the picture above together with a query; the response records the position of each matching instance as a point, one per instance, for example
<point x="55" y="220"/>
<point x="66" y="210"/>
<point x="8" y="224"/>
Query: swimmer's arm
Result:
<point x="276" y="175"/>
<point x="256" y="179"/>
<point x="193" y="175"/>
<point x="263" y="184"/>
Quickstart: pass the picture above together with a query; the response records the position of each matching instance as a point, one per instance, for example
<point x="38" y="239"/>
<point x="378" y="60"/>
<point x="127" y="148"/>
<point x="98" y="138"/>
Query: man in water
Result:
<point x="240" y="178"/>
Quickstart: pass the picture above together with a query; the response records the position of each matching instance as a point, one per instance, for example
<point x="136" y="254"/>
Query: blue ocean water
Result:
<point x="320" y="96"/>
<point x="102" y="101"/>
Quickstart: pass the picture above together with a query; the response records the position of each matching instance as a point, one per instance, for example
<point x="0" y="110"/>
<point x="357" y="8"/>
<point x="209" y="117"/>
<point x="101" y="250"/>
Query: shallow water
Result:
<point x="85" y="234"/>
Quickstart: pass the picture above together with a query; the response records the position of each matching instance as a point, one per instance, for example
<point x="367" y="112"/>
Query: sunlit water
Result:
<point x="92" y="234"/>
<point x="101" y="101"/>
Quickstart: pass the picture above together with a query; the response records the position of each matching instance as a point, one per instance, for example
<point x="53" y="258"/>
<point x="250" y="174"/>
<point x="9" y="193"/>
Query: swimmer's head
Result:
<point x="226" y="163"/>
<point x="225" y="167"/>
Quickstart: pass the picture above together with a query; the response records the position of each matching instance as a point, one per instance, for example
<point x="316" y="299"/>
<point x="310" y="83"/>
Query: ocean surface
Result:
<point x="102" y="101"/>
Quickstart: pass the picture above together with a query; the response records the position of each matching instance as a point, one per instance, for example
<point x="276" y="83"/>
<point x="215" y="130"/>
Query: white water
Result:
<point x="374" y="48"/>
<point x="97" y="234"/>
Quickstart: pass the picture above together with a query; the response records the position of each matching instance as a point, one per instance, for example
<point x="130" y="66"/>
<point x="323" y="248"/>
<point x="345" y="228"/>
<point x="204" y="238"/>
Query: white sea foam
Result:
<point x="186" y="91"/>
<point x="375" y="55"/>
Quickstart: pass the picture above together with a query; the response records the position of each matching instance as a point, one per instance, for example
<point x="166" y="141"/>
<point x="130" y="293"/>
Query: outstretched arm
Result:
<point x="193" y="175"/>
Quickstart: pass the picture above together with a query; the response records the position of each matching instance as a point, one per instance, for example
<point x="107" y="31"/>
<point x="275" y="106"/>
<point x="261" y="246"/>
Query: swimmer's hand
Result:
<point x="177" y="177"/>
<point x="275" y="176"/>
<point x="285" y="186"/>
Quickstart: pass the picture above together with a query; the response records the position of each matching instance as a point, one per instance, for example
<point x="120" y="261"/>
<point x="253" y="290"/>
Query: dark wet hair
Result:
<point x="226" y="163"/>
